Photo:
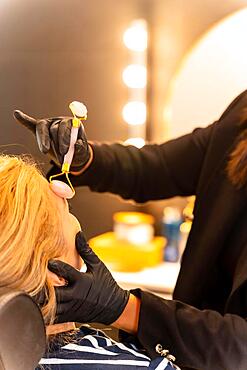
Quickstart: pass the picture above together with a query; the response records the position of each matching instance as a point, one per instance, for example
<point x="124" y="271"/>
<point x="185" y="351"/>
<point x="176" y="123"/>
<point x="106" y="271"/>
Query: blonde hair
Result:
<point x="31" y="231"/>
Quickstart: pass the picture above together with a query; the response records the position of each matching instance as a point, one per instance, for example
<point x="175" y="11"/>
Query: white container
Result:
<point x="133" y="227"/>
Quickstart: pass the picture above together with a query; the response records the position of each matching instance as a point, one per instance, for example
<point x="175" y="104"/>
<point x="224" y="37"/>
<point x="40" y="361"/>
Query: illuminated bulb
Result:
<point x="135" y="37"/>
<point x="135" y="76"/>
<point x="134" y="113"/>
<point x="138" y="142"/>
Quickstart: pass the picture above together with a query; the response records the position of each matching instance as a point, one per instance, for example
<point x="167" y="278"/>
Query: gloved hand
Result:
<point x="53" y="137"/>
<point x="92" y="296"/>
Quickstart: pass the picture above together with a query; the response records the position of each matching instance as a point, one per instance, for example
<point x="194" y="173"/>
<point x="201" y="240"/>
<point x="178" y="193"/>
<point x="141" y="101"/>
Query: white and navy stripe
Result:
<point x="92" y="349"/>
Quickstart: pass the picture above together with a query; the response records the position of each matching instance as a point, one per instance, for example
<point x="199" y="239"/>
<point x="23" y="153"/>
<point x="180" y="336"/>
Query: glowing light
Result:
<point x="135" y="37"/>
<point x="135" y="76"/>
<point x="138" y="142"/>
<point x="134" y="113"/>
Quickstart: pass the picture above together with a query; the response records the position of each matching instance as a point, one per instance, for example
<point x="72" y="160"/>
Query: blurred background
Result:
<point x="55" y="51"/>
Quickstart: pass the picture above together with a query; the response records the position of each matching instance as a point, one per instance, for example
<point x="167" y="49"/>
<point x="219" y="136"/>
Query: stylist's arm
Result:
<point x="93" y="296"/>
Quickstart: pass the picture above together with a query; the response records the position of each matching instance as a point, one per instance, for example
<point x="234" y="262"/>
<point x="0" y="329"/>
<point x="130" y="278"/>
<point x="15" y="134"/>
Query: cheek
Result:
<point x="71" y="228"/>
<point x="75" y="225"/>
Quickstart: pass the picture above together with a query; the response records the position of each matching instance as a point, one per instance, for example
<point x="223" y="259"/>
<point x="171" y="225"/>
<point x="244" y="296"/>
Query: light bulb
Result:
<point x="135" y="76"/>
<point x="134" y="113"/>
<point x="135" y="37"/>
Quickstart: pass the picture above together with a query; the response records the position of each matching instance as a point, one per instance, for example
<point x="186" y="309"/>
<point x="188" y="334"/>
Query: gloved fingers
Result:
<point x="78" y="146"/>
<point x="64" y="270"/>
<point x="81" y="132"/>
<point x="81" y="151"/>
<point x="85" y="251"/>
<point x="53" y="130"/>
<point x="64" y="294"/>
<point x="58" y="159"/>
<point x="62" y="312"/>
<point x="63" y="307"/>
<point x="26" y="120"/>
<point x="63" y="135"/>
<point x="40" y="298"/>
<point x="82" y="138"/>
<point x="54" y="133"/>
<point x="81" y="145"/>
<point x="43" y="137"/>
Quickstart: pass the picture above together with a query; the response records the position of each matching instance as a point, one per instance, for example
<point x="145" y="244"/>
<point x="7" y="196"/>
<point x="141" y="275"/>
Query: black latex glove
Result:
<point x="53" y="137"/>
<point x="93" y="296"/>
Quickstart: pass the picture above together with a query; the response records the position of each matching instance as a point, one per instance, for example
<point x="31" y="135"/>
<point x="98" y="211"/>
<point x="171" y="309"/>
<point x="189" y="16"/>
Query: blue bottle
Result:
<point x="171" y="231"/>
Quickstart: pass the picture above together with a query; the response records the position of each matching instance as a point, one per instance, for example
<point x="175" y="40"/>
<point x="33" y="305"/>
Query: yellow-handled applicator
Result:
<point x="60" y="188"/>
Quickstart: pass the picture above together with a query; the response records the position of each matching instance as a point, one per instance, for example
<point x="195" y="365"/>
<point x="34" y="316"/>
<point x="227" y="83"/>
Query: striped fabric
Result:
<point x="92" y="349"/>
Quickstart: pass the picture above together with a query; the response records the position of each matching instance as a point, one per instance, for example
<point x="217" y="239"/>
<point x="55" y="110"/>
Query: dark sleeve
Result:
<point x="198" y="339"/>
<point x="150" y="173"/>
<point x="156" y="171"/>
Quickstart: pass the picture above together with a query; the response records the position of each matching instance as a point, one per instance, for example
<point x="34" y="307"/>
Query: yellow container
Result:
<point x="133" y="218"/>
<point x="120" y="255"/>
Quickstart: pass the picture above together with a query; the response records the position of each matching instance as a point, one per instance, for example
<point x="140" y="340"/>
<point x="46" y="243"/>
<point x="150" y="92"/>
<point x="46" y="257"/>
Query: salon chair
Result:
<point x="22" y="331"/>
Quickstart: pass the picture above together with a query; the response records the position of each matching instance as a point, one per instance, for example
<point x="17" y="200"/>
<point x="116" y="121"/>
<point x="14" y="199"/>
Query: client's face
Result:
<point x="71" y="227"/>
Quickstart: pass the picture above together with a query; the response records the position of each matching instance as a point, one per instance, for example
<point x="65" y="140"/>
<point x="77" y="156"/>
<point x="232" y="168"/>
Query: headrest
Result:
<point x="22" y="331"/>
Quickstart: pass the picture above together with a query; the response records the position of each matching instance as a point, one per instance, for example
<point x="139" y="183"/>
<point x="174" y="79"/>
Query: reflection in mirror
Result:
<point x="210" y="76"/>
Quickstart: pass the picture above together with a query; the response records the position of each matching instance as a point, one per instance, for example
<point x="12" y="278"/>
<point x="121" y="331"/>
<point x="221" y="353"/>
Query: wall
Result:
<point x="54" y="52"/>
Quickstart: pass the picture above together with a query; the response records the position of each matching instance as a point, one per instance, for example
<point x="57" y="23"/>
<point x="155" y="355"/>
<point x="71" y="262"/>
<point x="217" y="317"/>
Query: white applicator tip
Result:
<point x="78" y="109"/>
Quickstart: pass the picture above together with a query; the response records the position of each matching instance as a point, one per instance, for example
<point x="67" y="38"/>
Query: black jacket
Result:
<point x="209" y="329"/>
